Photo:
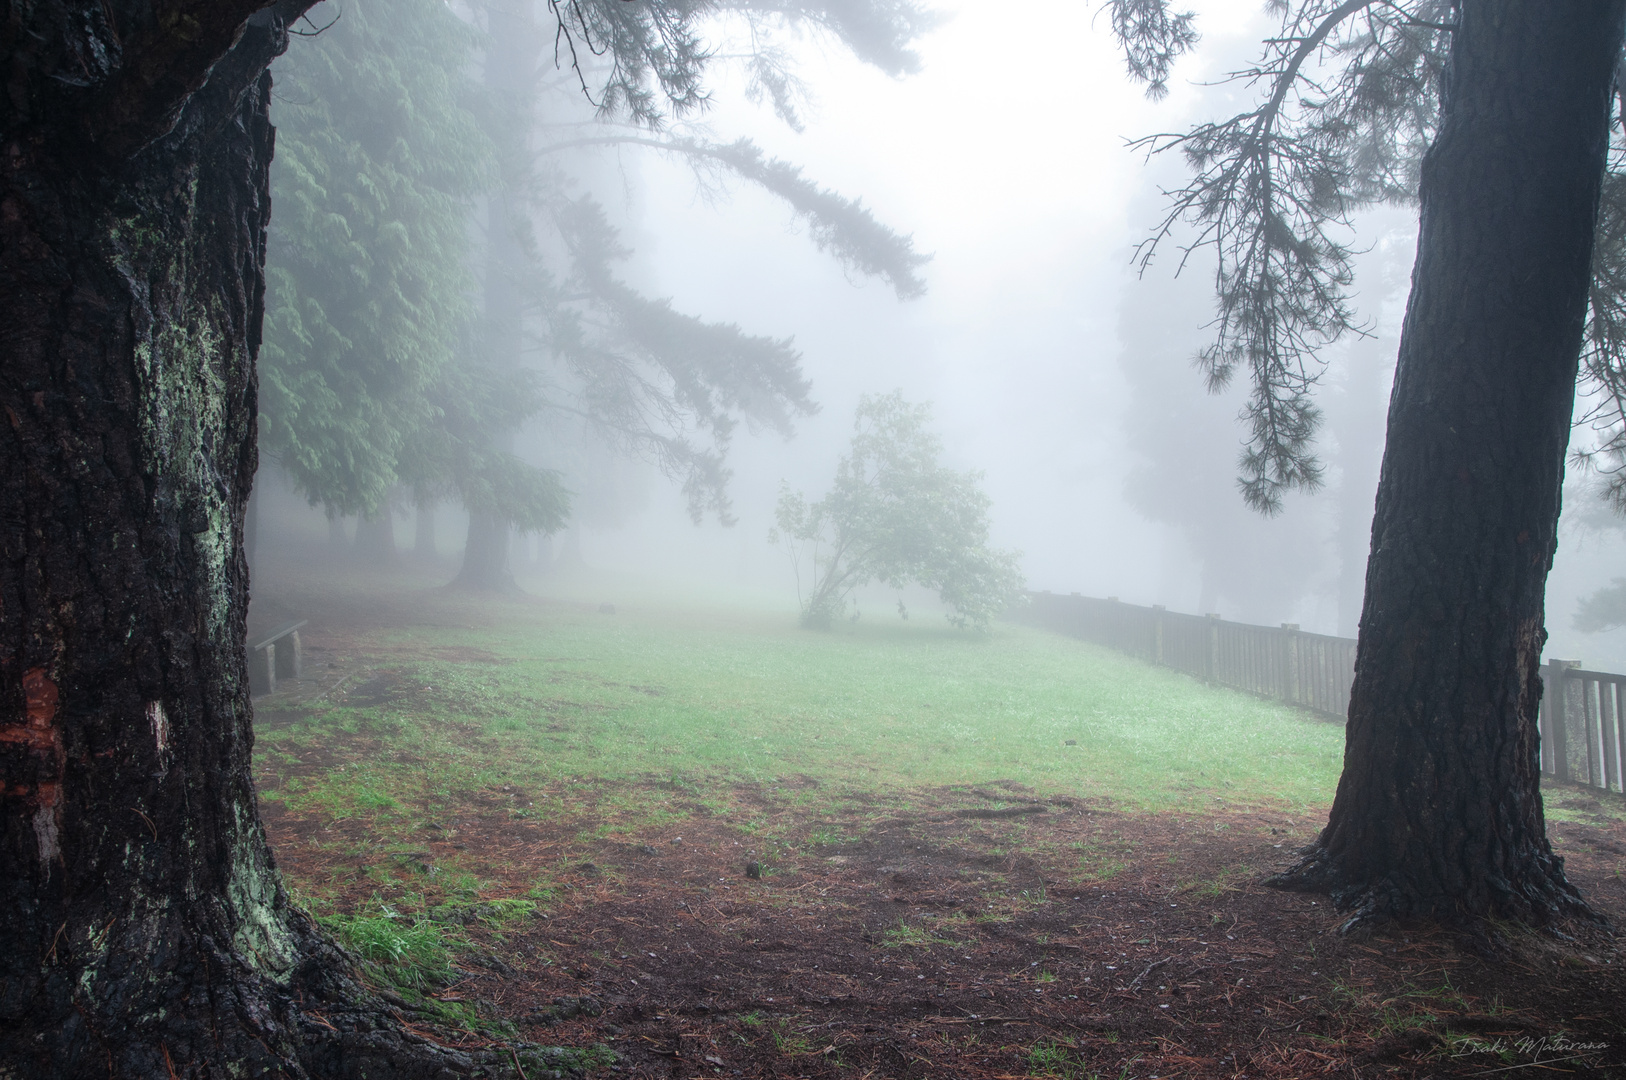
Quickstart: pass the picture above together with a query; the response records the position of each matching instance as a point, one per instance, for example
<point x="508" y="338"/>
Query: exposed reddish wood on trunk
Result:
<point x="146" y="932"/>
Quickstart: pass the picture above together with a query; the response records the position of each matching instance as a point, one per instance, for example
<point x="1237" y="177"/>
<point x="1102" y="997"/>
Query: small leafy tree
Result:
<point x="896" y="514"/>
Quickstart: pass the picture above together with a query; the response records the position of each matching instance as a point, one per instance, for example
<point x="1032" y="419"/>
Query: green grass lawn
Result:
<point x="545" y="692"/>
<point x="475" y="766"/>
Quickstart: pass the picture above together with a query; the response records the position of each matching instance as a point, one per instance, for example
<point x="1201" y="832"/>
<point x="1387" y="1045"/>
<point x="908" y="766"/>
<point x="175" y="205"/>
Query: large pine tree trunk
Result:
<point x="1438" y="812"/>
<point x="145" y="929"/>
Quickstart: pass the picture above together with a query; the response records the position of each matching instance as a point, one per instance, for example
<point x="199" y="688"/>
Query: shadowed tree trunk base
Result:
<point x="1539" y="896"/>
<point x="213" y="1016"/>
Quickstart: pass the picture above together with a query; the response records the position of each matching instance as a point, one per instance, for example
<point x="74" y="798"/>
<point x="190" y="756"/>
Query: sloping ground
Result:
<point x="972" y="933"/>
<point x="964" y="930"/>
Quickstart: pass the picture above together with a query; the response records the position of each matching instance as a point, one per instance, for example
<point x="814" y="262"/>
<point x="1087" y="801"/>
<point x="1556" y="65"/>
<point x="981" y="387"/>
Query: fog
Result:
<point x="1053" y="365"/>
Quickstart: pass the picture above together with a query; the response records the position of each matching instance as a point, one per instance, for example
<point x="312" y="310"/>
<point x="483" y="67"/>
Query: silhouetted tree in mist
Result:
<point x="649" y="380"/>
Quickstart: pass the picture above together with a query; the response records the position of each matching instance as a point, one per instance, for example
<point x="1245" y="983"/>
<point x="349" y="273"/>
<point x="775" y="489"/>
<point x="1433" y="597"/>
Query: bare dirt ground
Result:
<point x="932" y="944"/>
<point x="980" y="932"/>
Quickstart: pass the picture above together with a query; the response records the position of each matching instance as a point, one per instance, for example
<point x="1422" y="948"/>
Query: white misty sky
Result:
<point x="1005" y="157"/>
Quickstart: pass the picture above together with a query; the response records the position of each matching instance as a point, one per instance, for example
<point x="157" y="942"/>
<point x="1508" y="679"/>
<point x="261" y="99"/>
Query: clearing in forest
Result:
<point x="714" y="844"/>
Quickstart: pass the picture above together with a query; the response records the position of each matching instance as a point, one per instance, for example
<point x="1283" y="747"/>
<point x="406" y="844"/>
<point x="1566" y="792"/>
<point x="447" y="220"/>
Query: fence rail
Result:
<point x="1313" y="671"/>
<point x="1582" y="727"/>
<point x="1583" y="723"/>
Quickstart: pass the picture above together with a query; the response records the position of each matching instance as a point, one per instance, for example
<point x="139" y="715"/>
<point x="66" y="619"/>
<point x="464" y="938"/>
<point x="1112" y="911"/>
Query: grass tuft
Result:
<point x="408" y="954"/>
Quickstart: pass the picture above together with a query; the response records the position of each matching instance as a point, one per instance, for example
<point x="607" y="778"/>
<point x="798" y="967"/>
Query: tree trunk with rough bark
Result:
<point x="1438" y="811"/>
<point x="146" y="931"/>
<point x="511" y="74"/>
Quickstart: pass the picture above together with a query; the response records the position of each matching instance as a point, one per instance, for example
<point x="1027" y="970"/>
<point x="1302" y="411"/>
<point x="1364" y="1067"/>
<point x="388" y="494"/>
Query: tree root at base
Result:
<point x="1542" y="898"/>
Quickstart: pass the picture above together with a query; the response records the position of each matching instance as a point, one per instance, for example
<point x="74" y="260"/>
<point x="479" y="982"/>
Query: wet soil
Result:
<point x="956" y="938"/>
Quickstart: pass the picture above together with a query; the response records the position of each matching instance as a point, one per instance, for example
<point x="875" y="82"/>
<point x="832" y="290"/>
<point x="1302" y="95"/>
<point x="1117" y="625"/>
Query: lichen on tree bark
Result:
<point x="147" y="932"/>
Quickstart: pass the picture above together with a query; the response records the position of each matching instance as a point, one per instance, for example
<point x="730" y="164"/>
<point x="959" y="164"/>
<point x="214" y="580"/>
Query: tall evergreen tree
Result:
<point x="373" y="374"/>
<point x="1439" y="807"/>
<point x="380" y="155"/>
<point x="147" y="931"/>
<point x="382" y="364"/>
<point x="648" y="379"/>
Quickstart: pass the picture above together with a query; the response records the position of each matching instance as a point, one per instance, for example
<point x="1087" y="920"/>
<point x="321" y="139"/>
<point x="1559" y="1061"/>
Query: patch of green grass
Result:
<point x="1574" y="803"/>
<point x="707" y="700"/>
<point x="789" y="1042"/>
<point x="1409" y="1008"/>
<point x="1223" y="882"/>
<point x="565" y="1060"/>
<point x="914" y="936"/>
<point x="1053" y="1058"/>
<point x="410" y="954"/>
<point x="466" y="1016"/>
<point x="498" y="913"/>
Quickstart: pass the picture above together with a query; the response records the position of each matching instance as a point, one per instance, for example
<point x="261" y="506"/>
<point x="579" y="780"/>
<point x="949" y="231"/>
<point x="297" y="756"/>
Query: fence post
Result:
<point x="1292" y="680"/>
<point x="1157" y="633"/>
<point x="1554" y="722"/>
<point x="1211" y="657"/>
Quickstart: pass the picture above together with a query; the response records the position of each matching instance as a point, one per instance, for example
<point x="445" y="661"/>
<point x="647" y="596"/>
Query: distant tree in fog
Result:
<point x="370" y="375"/>
<point x="1496" y="117"/>
<point x="647" y="379"/>
<point x="1603" y="610"/>
<point x="896" y="514"/>
<point x="404" y="347"/>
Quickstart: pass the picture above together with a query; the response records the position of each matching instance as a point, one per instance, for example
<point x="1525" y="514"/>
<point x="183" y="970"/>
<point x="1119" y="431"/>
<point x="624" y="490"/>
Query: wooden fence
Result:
<point x="1583" y="727"/>
<point x="1285" y="664"/>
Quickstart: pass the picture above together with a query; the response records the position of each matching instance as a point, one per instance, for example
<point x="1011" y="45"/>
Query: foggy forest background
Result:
<point x="1052" y="365"/>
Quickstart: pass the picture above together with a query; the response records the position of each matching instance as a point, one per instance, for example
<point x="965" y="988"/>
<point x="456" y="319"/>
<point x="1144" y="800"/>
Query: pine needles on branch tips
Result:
<point x="1351" y="100"/>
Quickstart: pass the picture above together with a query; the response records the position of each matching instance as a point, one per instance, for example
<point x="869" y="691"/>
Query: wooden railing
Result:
<point x="1583" y="728"/>
<point x="1313" y="671"/>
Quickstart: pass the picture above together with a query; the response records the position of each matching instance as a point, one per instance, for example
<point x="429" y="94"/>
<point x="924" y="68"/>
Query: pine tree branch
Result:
<point x="843" y="227"/>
